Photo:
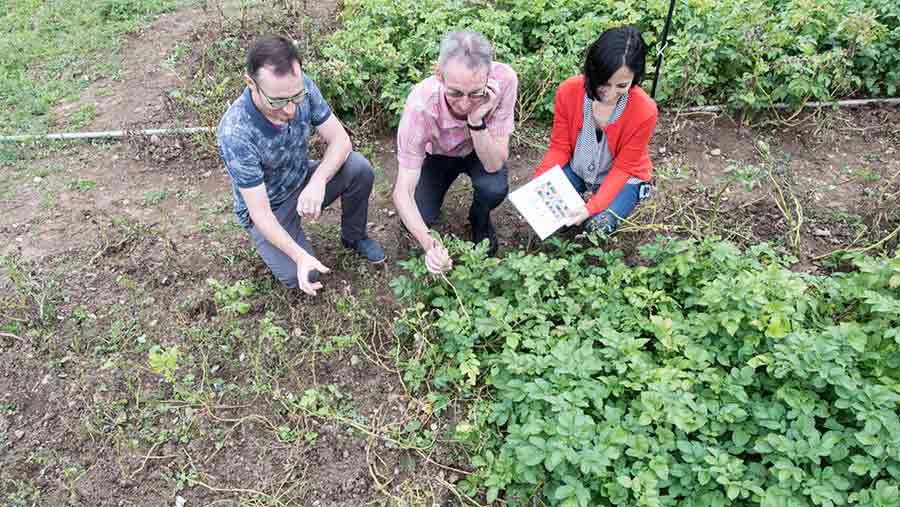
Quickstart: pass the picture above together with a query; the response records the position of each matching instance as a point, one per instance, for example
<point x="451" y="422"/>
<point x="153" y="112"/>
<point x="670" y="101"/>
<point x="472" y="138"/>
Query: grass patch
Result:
<point x="43" y="172"/>
<point x="82" y="116"/>
<point x="155" y="197"/>
<point x="48" y="200"/>
<point x="9" y="153"/>
<point x="81" y="185"/>
<point x="51" y="51"/>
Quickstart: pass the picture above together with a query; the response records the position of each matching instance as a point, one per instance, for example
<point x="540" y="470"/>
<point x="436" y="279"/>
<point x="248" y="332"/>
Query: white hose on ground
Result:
<point x="836" y="103"/>
<point x="107" y="134"/>
<point x="117" y="134"/>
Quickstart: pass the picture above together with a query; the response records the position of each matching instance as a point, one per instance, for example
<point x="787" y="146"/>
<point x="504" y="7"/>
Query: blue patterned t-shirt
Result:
<point x="255" y="151"/>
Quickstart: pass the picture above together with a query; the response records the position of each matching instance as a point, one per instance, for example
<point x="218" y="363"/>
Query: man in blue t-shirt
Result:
<point x="264" y="142"/>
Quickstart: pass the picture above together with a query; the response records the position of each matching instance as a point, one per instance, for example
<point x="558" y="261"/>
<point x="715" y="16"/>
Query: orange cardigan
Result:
<point x="628" y="139"/>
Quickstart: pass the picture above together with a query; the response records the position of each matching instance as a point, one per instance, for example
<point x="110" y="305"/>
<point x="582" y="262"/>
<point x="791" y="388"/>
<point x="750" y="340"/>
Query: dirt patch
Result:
<point x="148" y="72"/>
<point x="151" y="65"/>
<point x="59" y="199"/>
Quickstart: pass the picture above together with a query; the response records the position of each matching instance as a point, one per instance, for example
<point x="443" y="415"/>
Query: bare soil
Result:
<point x="148" y="72"/>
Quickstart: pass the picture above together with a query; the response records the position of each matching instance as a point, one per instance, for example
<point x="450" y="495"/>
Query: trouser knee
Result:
<point x="359" y="169"/>
<point x="491" y="193"/>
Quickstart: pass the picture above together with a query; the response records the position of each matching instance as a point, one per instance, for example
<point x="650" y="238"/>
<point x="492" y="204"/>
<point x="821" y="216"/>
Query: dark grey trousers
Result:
<point x="352" y="183"/>
<point x="439" y="172"/>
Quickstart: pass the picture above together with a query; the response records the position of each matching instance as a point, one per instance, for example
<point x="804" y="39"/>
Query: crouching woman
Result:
<point x="602" y="124"/>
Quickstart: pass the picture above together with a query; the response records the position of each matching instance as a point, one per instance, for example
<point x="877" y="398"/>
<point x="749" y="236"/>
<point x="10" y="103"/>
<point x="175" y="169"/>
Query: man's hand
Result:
<point x="305" y="265"/>
<point x="490" y="102"/>
<point x="437" y="258"/>
<point x="309" y="202"/>
<point x="577" y="216"/>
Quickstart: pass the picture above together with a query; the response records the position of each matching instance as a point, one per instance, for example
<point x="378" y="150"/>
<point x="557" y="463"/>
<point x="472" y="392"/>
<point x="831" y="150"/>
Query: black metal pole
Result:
<point x="661" y="45"/>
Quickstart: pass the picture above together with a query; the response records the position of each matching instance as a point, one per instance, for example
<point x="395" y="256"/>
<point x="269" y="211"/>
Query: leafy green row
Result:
<point x="707" y="377"/>
<point x="743" y="53"/>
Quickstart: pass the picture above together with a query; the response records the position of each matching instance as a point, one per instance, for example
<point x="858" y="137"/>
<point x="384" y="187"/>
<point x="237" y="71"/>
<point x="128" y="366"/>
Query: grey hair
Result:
<point x="474" y="50"/>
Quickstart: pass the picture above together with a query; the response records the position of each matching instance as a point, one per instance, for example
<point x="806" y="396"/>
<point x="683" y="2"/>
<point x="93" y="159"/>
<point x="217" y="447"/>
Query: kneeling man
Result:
<point x="264" y="142"/>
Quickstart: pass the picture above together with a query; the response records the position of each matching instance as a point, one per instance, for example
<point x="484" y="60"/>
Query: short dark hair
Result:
<point x="274" y="50"/>
<point x="614" y="48"/>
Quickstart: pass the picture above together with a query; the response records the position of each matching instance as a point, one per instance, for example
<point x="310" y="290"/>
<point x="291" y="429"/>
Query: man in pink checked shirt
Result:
<point x="457" y="121"/>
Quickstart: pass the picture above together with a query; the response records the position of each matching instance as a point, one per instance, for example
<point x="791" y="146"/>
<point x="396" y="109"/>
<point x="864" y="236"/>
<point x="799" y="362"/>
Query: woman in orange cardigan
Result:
<point x="602" y="123"/>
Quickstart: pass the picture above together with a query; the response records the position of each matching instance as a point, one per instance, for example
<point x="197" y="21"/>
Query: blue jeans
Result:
<point x="622" y="206"/>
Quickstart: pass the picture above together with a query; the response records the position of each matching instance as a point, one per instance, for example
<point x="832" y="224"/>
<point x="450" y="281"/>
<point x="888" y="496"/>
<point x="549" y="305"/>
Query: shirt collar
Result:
<point x="259" y="120"/>
<point x="445" y="117"/>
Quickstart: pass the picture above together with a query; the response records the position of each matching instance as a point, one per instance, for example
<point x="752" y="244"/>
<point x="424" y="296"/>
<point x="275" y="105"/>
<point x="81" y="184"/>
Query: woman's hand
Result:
<point x="577" y="216"/>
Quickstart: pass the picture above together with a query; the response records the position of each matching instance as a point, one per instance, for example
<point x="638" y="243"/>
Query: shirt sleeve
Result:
<point x="632" y="159"/>
<point x="412" y="136"/>
<point x="561" y="149"/>
<point x="319" y="110"/>
<point x="612" y="184"/>
<point x="242" y="161"/>
<point x="502" y="123"/>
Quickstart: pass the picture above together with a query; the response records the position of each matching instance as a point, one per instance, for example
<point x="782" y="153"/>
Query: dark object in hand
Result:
<point x="313" y="276"/>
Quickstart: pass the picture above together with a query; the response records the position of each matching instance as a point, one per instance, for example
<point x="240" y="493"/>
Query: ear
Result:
<point x="248" y="81"/>
<point x="437" y="72"/>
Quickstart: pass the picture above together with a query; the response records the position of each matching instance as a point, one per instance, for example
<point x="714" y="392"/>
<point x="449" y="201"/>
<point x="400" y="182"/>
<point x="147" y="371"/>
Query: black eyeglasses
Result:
<point x="476" y="95"/>
<point x="279" y="103"/>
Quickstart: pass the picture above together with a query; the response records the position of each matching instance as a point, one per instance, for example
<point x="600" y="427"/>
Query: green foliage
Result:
<point x="155" y="197"/>
<point x="213" y="85"/>
<point x="126" y="10"/>
<point x="232" y="299"/>
<point x="744" y="54"/>
<point x="164" y="361"/>
<point x="706" y="377"/>
<point x="81" y="185"/>
<point x="30" y="298"/>
<point x="9" y="154"/>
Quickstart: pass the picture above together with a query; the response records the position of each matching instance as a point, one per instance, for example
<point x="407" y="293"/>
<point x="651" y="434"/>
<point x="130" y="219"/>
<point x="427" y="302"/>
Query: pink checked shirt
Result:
<point x="427" y="126"/>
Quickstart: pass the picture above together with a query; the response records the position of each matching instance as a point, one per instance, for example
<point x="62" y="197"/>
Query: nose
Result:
<point x="465" y="103"/>
<point x="290" y="109"/>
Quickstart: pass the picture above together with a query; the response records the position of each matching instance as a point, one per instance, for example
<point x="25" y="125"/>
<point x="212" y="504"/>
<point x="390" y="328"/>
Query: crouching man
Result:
<point x="457" y="121"/>
<point x="264" y="143"/>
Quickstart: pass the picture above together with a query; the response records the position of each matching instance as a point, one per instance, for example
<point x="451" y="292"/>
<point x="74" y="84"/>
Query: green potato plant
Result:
<point x="704" y="376"/>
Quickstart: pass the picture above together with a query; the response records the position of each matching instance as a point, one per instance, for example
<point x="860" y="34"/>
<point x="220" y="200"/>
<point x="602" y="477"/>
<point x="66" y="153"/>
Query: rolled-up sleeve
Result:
<point x="412" y="135"/>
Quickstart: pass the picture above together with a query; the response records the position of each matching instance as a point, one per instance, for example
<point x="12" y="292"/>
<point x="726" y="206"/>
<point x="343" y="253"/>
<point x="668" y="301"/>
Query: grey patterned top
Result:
<point x="592" y="158"/>
<point x="256" y="151"/>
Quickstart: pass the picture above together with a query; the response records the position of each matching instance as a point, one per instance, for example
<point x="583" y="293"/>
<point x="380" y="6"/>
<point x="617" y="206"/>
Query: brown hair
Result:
<point x="274" y="50"/>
